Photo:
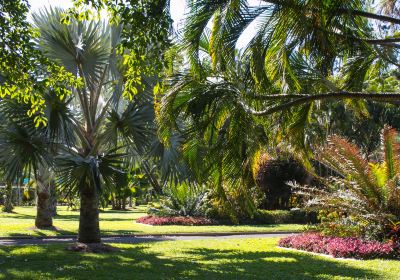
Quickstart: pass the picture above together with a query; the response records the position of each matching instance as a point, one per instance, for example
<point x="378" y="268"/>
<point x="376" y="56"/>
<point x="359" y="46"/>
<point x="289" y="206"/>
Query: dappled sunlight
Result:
<point x="200" y="259"/>
<point x="21" y="223"/>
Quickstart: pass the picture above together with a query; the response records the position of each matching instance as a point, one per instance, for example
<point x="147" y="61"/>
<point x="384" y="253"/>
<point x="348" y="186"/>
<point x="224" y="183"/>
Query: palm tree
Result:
<point x="302" y="52"/>
<point x="109" y="131"/>
<point x="218" y="138"/>
<point x="30" y="150"/>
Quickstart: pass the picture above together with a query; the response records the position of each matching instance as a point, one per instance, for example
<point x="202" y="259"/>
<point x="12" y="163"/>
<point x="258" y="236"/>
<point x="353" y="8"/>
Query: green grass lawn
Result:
<point x="21" y="222"/>
<point x="200" y="259"/>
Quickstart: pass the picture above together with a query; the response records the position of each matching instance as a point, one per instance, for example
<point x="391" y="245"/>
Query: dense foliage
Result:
<point x="272" y="176"/>
<point x="25" y="73"/>
<point x="365" y="194"/>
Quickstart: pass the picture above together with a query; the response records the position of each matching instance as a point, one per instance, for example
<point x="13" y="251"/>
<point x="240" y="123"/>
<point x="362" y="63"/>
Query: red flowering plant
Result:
<point x="178" y="220"/>
<point x="340" y="247"/>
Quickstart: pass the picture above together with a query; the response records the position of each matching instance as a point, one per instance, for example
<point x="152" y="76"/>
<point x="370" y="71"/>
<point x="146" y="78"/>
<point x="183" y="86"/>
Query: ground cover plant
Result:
<point x="341" y="247"/>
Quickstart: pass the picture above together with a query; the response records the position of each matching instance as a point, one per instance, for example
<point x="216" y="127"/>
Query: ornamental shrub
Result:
<point x="293" y="216"/>
<point x="272" y="175"/>
<point x="366" y="194"/>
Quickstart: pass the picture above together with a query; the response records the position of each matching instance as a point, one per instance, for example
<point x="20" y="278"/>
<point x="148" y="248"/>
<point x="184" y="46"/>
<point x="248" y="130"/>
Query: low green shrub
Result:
<point x="293" y="216"/>
<point x="181" y="200"/>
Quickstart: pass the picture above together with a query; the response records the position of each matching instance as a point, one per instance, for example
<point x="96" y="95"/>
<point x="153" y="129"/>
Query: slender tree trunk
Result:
<point x="53" y="198"/>
<point x="123" y="203"/>
<point x="89" y="229"/>
<point x="153" y="181"/>
<point x="44" y="217"/>
<point x="8" y="205"/>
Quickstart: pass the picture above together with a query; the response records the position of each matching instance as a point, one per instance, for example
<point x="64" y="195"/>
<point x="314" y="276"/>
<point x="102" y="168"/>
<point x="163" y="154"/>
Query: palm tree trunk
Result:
<point x="89" y="229"/>
<point x="44" y="214"/>
<point x="53" y="199"/>
<point x="8" y="206"/>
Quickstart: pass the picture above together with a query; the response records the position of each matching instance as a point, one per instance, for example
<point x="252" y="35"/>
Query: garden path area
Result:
<point x="21" y="224"/>
<point x="137" y="239"/>
<point x="166" y="252"/>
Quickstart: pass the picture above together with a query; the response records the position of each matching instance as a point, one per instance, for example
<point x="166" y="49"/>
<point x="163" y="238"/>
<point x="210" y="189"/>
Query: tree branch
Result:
<point x="345" y="11"/>
<point x="300" y="99"/>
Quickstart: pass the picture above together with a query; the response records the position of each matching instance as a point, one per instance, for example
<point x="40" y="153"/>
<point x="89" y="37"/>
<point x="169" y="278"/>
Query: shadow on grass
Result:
<point x="145" y="261"/>
<point x="43" y="232"/>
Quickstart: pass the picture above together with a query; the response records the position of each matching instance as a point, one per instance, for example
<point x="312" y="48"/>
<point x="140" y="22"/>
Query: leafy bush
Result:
<point x="272" y="176"/>
<point x="179" y="220"/>
<point x="181" y="200"/>
<point x="394" y="234"/>
<point x="366" y="193"/>
<point x="340" y="247"/>
<point x="294" y="216"/>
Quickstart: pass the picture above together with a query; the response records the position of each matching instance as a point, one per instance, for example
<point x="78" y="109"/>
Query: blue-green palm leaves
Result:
<point x="108" y="132"/>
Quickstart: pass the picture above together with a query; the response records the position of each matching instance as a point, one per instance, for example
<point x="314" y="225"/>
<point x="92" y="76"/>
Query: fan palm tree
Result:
<point x="108" y="131"/>
<point x="31" y="150"/>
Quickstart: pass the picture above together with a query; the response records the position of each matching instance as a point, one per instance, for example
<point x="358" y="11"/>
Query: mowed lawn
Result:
<point x="199" y="259"/>
<point x="21" y="223"/>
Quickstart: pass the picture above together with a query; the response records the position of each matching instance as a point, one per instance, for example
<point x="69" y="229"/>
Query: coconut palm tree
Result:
<point x="301" y="55"/>
<point x="295" y="39"/>
<point x="108" y="130"/>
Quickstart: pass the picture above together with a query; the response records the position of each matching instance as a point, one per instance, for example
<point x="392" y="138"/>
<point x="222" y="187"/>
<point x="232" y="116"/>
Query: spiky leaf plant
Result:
<point x="365" y="193"/>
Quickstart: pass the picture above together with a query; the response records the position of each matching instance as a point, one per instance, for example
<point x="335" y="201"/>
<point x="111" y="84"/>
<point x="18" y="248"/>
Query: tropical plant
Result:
<point x="301" y="56"/>
<point x="367" y="193"/>
<point x="108" y="131"/>
<point x="272" y="175"/>
<point x="8" y="196"/>
<point x="182" y="200"/>
<point x="30" y="151"/>
<point x="294" y="41"/>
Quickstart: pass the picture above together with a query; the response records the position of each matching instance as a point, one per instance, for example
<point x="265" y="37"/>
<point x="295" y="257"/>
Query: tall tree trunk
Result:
<point x="44" y="217"/>
<point x="8" y="205"/>
<point x="53" y="198"/>
<point x="89" y="229"/>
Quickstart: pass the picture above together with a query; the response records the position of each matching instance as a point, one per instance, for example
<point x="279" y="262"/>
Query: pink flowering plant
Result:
<point x="341" y="247"/>
<point x="177" y="220"/>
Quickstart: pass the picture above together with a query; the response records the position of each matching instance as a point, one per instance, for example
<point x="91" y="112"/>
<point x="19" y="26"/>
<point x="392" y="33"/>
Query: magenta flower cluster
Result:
<point x="177" y="220"/>
<point x="341" y="247"/>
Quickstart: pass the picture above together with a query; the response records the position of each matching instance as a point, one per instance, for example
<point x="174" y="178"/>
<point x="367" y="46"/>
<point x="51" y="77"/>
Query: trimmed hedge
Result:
<point x="293" y="216"/>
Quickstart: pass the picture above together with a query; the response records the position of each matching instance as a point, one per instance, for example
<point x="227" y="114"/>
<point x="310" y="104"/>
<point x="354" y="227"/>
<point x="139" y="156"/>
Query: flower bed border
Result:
<point x="340" y="247"/>
<point x="175" y="220"/>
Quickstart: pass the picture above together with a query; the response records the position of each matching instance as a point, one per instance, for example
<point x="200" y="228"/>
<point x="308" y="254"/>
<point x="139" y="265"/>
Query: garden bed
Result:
<point x="178" y="220"/>
<point x="341" y="247"/>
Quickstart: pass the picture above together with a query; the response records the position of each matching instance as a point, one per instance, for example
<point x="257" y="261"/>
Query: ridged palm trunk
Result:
<point x="44" y="209"/>
<point x="8" y="205"/>
<point x="89" y="229"/>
